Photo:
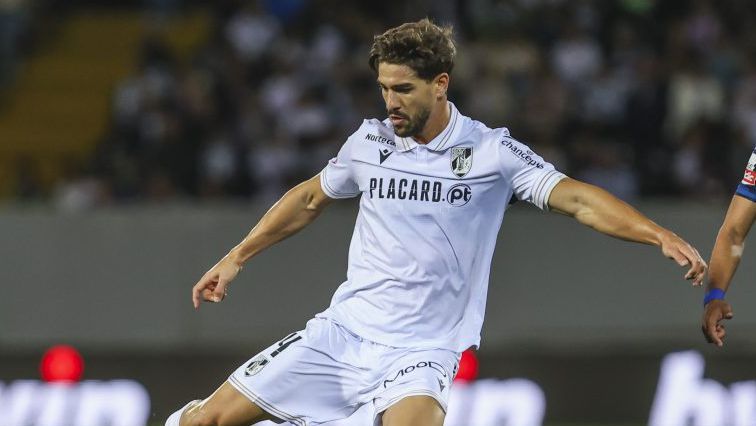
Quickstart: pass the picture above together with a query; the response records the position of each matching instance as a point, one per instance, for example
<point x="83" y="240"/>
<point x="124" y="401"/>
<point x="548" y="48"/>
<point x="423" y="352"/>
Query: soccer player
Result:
<point x="726" y="254"/>
<point x="433" y="187"/>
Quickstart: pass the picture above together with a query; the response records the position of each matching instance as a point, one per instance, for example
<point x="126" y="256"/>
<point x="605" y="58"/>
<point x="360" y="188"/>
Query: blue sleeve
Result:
<point x="747" y="191"/>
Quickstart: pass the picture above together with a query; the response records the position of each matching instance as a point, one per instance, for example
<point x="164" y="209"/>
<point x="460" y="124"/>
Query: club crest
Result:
<point x="255" y="365"/>
<point x="461" y="160"/>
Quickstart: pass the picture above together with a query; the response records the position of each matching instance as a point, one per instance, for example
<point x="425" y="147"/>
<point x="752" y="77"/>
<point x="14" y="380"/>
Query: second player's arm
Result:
<point x="295" y="210"/>
<point x="730" y="242"/>
<point x="725" y="258"/>
<point x="596" y="208"/>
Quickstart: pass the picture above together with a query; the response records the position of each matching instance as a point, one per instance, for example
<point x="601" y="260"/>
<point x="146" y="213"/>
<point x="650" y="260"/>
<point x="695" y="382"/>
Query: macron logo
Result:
<point x="385" y="153"/>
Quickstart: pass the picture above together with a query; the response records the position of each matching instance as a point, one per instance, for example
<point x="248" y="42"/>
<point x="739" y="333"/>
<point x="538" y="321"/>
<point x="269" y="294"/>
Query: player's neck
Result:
<point x="436" y="123"/>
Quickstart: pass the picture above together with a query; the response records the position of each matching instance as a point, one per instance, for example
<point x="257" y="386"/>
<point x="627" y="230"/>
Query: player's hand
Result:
<point x="213" y="286"/>
<point x="684" y="254"/>
<point x="711" y="324"/>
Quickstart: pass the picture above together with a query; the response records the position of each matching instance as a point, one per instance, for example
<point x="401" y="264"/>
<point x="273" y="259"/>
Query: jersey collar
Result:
<point x="440" y="142"/>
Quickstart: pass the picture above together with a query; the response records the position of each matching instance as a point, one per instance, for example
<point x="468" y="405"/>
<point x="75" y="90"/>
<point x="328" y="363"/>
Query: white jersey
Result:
<point x="421" y="251"/>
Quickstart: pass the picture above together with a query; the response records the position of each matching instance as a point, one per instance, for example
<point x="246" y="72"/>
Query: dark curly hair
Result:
<point x="423" y="46"/>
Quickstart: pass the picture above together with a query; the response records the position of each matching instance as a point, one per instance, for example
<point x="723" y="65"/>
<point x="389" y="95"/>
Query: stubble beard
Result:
<point x="415" y="125"/>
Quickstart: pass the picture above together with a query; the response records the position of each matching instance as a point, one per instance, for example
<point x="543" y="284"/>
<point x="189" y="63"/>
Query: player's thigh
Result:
<point x="225" y="407"/>
<point x="416" y="410"/>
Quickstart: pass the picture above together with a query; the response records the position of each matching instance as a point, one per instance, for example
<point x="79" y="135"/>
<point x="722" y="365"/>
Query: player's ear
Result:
<point x="441" y="84"/>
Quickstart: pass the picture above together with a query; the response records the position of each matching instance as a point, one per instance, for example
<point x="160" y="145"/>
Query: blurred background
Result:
<point x="140" y="140"/>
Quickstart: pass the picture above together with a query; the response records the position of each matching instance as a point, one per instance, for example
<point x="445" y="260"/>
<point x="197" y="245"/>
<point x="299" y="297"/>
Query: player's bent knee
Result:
<point x="207" y="419"/>
<point x="199" y="419"/>
<point x="416" y="410"/>
<point x="225" y="407"/>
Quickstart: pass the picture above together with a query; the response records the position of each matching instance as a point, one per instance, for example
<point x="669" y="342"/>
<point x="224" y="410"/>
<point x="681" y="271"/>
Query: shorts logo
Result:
<point x="459" y="195"/>
<point x="255" y="365"/>
<point x="409" y="369"/>
<point x="461" y="160"/>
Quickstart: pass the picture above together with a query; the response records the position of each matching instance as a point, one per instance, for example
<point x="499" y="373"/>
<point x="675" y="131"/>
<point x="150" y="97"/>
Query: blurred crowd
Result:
<point x="14" y="28"/>
<point x="644" y="98"/>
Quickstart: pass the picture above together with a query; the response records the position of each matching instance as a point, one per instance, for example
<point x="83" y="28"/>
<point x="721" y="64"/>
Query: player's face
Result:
<point x="409" y="99"/>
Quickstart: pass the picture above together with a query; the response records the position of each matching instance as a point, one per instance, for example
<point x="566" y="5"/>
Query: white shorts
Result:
<point x="325" y="373"/>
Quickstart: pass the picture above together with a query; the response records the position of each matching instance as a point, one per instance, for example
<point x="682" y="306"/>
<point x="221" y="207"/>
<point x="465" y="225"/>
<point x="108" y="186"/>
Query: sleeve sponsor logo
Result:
<point x="749" y="177"/>
<point x="520" y="151"/>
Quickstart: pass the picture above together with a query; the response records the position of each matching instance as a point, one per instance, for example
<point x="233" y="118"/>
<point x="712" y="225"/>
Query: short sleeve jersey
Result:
<point x="747" y="186"/>
<point x="420" y="255"/>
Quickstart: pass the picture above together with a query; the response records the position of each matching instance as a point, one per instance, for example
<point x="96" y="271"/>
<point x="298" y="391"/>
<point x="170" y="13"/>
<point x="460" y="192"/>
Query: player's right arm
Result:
<point x="295" y="210"/>
<point x="724" y="262"/>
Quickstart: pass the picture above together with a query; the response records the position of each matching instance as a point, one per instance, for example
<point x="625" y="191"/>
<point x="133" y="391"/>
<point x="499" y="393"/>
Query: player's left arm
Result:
<point x="725" y="258"/>
<point x="598" y="209"/>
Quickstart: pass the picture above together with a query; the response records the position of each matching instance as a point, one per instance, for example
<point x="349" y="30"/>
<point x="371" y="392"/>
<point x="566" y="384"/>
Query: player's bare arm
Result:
<point x="725" y="259"/>
<point x="596" y="208"/>
<point x="295" y="210"/>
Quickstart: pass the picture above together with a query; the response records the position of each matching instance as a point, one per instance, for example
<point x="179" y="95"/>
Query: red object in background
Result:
<point x="61" y="363"/>
<point x="468" y="367"/>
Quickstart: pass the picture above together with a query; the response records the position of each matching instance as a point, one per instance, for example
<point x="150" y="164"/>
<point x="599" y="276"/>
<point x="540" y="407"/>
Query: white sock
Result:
<point x="173" y="419"/>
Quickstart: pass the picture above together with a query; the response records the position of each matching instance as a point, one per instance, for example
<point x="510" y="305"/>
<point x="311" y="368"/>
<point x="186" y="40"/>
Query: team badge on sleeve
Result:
<point x="461" y="160"/>
<point x="749" y="177"/>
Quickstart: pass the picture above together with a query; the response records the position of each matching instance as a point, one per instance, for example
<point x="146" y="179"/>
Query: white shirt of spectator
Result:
<point x="420" y="255"/>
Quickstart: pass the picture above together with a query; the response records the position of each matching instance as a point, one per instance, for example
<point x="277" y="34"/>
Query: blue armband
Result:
<point x="714" y="294"/>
